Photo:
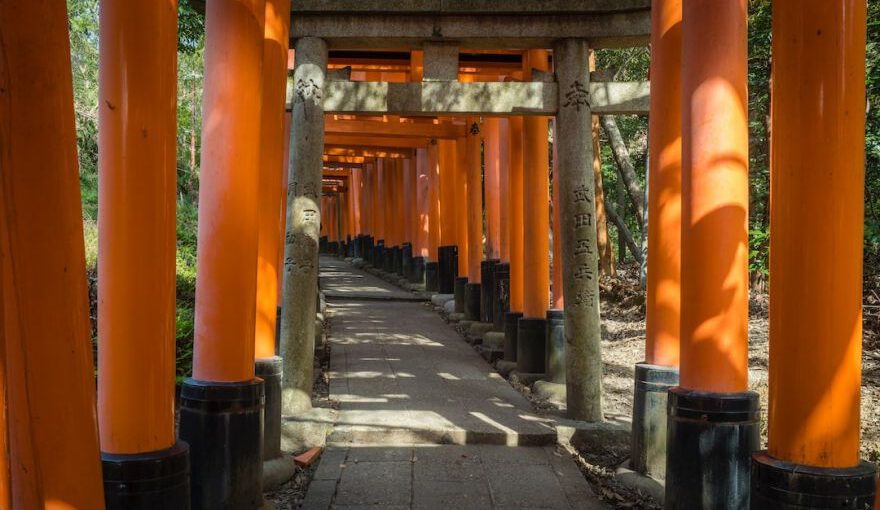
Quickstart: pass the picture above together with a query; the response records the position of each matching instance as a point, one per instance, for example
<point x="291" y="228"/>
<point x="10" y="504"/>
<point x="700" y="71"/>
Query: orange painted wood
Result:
<point x="272" y="148"/>
<point x="536" y="206"/>
<point x="503" y="189"/>
<point x="474" y="209"/>
<point x="557" y="292"/>
<point x="137" y="126"/>
<point x="663" y="299"/>
<point x="448" y="176"/>
<point x="227" y="254"/>
<point x="434" y="185"/>
<point x="51" y="425"/>
<point x="461" y="206"/>
<point x="715" y="197"/>
<point x="282" y="199"/>
<point x="423" y="205"/>
<point x="492" y="185"/>
<point x="817" y="172"/>
<point x="515" y="213"/>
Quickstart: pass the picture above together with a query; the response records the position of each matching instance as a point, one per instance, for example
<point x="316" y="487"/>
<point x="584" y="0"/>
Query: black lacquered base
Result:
<point x="223" y="424"/>
<point x="448" y="260"/>
<point x="710" y="441"/>
<point x="531" y="346"/>
<point x="487" y="290"/>
<point x="398" y="260"/>
<point x="406" y="260"/>
<point x="270" y="370"/>
<point x="417" y="270"/>
<point x="511" y="334"/>
<point x="652" y="383"/>
<point x="501" y="297"/>
<point x="146" y="481"/>
<point x="779" y="485"/>
<point x="472" y="301"/>
<point x="460" y="294"/>
<point x="432" y="276"/>
<point x="554" y="352"/>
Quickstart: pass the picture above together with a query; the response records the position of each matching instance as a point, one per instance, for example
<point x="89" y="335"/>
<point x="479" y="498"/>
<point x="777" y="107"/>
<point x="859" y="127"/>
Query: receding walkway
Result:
<point x="424" y="421"/>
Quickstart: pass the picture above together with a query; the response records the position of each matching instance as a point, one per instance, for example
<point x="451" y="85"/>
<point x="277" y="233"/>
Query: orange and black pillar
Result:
<point x="501" y="287"/>
<point x="659" y="371"/>
<point x="817" y="157"/>
<point x="432" y="265"/>
<point x="473" y="210"/>
<point x="144" y="464"/>
<point x="222" y="403"/>
<point x="515" y="216"/>
<point x="448" y="255"/>
<point x="50" y="456"/>
<point x="492" y="192"/>
<point x="713" y="420"/>
<point x="532" y="327"/>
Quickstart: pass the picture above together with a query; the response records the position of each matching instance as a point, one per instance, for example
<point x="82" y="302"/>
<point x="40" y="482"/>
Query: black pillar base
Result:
<point x="487" y="280"/>
<point x="379" y="255"/>
<point x="417" y="270"/>
<point x="406" y="260"/>
<point x="779" y="485"/>
<point x="501" y="297"/>
<point x="390" y="259"/>
<point x="448" y="266"/>
<point x="511" y="335"/>
<point x="278" y="329"/>
<point x="223" y="424"/>
<point x="554" y="352"/>
<point x="472" y="300"/>
<point x="652" y="383"/>
<point x="432" y="276"/>
<point x="710" y="441"/>
<point x="398" y="260"/>
<point x="531" y="345"/>
<point x="145" y="481"/>
<point x="460" y="296"/>
<point x="270" y="370"/>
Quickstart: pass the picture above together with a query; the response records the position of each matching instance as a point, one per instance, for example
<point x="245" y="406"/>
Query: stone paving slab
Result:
<point x="449" y="477"/>
<point x="340" y="281"/>
<point x="403" y="376"/>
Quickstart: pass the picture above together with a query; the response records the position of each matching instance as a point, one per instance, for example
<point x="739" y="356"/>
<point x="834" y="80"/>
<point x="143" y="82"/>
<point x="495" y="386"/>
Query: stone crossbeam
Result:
<point x="489" y="98"/>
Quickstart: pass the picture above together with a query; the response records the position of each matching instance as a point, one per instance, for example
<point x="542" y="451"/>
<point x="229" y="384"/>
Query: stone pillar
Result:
<point x="304" y="220"/>
<point x="136" y="273"/>
<point x="48" y="426"/>
<point x="812" y="456"/>
<point x="577" y="221"/>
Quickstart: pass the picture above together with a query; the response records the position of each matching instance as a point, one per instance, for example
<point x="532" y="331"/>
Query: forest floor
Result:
<point x="623" y="345"/>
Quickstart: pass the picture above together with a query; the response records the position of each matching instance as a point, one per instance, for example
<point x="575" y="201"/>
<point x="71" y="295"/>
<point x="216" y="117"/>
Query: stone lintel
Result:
<point x="481" y="30"/>
<point x="441" y="62"/>
<point x="491" y="98"/>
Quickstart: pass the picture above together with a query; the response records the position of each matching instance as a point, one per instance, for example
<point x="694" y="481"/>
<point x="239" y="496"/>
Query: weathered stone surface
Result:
<point x="553" y="392"/>
<point x="441" y="299"/>
<point x="517" y="98"/>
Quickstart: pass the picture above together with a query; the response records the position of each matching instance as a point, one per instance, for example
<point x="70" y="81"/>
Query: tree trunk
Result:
<point x="625" y="167"/>
<point x="623" y="233"/>
<point x="620" y="190"/>
<point x="606" y="251"/>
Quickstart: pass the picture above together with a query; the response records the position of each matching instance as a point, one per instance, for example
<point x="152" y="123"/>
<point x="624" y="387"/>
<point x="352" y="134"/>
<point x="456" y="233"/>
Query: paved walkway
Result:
<point x="424" y="421"/>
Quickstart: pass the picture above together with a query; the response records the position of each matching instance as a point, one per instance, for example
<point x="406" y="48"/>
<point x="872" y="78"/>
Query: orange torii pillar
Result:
<point x="713" y="418"/>
<point x="389" y="208"/>
<point x="422" y="225"/>
<point x="378" y="203"/>
<point x="659" y="371"/>
<point x="501" y="283"/>
<point x="222" y="404"/>
<point x="144" y="465"/>
<point x="460" y="210"/>
<point x="554" y="362"/>
<point x="268" y="364"/>
<point x="515" y="221"/>
<point x="492" y="185"/>
<point x="49" y="429"/>
<point x="532" y="328"/>
<point x="447" y="254"/>
<point x="357" y="200"/>
<point x="401" y="213"/>
<point x="410" y="216"/>
<point x="812" y="458"/>
<point x="432" y="266"/>
<point x="474" y="215"/>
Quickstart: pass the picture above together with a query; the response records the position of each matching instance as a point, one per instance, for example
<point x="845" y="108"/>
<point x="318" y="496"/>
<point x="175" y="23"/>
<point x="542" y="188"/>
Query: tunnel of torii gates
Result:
<point x="392" y="115"/>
